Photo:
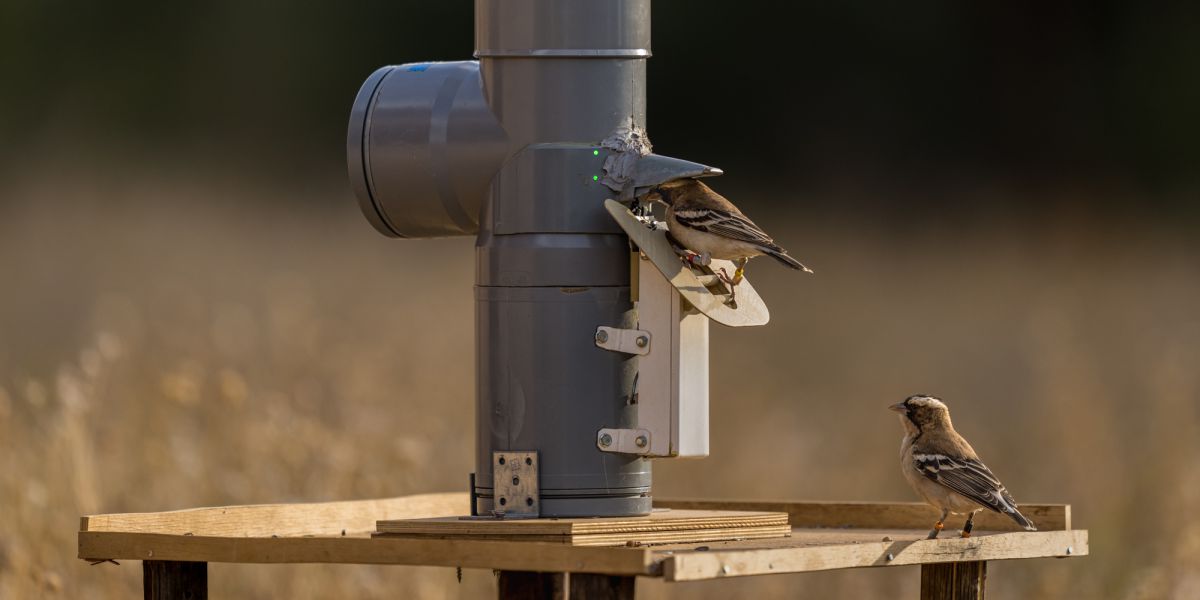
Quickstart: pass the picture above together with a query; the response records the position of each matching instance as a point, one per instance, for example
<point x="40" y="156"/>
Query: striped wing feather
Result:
<point x="726" y="224"/>
<point x="968" y="477"/>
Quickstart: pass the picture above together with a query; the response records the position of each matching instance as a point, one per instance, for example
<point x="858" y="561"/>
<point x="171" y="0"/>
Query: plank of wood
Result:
<point x="954" y="581"/>
<point x="659" y="527"/>
<point x="660" y="520"/>
<point x="797" y="556"/>
<point x="880" y="515"/>
<point x="170" y="580"/>
<point x="622" y="539"/>
<point x="362" y="549"/>
<point x="265" y="520"/>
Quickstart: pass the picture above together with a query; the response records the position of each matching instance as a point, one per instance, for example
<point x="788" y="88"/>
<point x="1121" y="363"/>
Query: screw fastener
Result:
<point x="601" y="336"/>
<point x="1070" y="549"/>
<point x="891" y="556"/>
<point x="640" y="441"/>
<point x="642" y="341"/>
<point x="605" y="440"/>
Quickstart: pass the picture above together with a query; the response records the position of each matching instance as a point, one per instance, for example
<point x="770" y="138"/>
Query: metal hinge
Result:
<point x="623" y="441"/>
<point x="629" y="341"/>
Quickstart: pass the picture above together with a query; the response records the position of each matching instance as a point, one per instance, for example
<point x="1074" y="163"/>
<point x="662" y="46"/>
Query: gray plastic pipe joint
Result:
<point x="422" y="148"/>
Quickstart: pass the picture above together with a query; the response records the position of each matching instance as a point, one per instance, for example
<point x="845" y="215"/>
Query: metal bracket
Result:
<point x="624" y="441"/>
<point x="515" y="484"/>
<point x="629" y="341"/>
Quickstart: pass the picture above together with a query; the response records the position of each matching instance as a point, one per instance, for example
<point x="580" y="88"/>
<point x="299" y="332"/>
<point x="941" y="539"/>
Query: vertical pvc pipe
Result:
<point x="559" y="75"/>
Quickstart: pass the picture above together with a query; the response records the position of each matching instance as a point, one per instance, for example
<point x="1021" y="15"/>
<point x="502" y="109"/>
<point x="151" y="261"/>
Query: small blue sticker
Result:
<point x="419" y="67"/>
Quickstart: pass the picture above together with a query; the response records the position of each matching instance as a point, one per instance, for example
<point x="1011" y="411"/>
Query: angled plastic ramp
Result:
<point x="750" y="311"/>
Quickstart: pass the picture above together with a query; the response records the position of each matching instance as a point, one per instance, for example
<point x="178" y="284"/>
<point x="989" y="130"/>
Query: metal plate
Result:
<point x="750" y="311"/>
<point x="515" y="480"/>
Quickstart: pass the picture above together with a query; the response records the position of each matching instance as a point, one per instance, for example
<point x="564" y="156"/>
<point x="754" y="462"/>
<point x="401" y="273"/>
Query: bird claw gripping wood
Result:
<point x="732" y="283"/>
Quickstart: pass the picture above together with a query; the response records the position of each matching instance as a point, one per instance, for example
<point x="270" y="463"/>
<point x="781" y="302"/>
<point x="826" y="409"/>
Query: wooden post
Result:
<point x="564" y="586"/>
<point x="514" y="585"/>
<point x="174" y="580"/>
<point x="953" y="581"/>
<point x="586" y="586"/>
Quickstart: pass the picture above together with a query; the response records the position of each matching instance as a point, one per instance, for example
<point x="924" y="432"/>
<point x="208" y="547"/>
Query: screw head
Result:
<point x="725" y="570"/>
<point x="516" y="480"/>
<point x="891" y="556"/>
<point x="641" y="441"/>
<point x="601" y="336"/>
<point x="605" y="440"/>
<point x="641" y="341"/>
<point x="1070" y="549"/>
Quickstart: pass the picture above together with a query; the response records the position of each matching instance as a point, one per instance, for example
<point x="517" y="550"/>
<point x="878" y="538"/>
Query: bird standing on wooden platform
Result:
<point x="708" y="225"/>
<point x="943" y="468"/>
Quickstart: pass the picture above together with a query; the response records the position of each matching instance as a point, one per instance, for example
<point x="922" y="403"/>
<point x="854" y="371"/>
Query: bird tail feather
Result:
<point x="1021" y="519"/>
<point x="782" y="256"/>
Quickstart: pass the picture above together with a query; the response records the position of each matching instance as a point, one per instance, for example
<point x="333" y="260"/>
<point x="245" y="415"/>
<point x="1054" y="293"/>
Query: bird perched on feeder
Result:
<point x="710" y="226"/>
<point x="943" y="468"/>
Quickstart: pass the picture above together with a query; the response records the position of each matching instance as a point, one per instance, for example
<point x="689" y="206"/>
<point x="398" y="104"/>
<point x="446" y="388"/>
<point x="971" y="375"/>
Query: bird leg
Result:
<point x="740" y="273"/>
<point x="691" y="258"/>
<point x="699" y="259"/>
<point x="937" y="527"/>
<point x="966" y="530"/>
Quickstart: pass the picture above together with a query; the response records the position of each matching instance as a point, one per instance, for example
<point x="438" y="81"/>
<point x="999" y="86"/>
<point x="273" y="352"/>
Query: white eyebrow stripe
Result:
<point x="927" y="401"/>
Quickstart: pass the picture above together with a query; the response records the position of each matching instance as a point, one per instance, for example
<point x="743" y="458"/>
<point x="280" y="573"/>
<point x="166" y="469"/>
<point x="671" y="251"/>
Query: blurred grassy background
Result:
<point x="1000" y="204"/>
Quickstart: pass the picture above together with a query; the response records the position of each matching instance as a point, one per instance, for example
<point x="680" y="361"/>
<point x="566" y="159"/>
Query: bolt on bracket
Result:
<point x="515" y="484"/>
<point x="629" y="341"/>
<point x="623" y="441"/>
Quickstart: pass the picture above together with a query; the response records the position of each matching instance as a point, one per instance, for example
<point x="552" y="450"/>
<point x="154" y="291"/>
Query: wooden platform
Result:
<point x="824" y="535"/>
<point x="663" y="526"/>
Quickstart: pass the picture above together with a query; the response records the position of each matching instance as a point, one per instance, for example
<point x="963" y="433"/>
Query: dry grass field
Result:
<point x="170" y="341"/>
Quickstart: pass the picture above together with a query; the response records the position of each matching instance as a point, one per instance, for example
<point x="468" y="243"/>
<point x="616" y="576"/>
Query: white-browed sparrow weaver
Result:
<point x="710" y="226"/>
<point x="943" y="468"/>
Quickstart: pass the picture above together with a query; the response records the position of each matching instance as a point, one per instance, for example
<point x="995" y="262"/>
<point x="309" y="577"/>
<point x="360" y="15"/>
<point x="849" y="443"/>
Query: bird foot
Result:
<point x="965" y="534"/>
<point x="731" y="282"/>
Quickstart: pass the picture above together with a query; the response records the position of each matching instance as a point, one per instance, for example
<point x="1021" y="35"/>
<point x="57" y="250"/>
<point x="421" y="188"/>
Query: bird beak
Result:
<point x="898" y="408"/>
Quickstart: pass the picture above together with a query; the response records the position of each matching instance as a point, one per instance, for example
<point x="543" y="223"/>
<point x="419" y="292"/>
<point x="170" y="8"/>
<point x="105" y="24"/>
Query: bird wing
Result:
<point x="724" y="223"/>
<point x="968" y="477"/>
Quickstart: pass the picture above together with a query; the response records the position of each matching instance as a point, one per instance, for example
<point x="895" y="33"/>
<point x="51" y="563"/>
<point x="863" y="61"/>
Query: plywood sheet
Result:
<point x="659" y="527"/>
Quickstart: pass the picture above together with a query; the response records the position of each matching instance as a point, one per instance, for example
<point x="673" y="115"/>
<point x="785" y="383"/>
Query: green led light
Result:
<point x="595" y="153"/>
<point x="595" y="178"/>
